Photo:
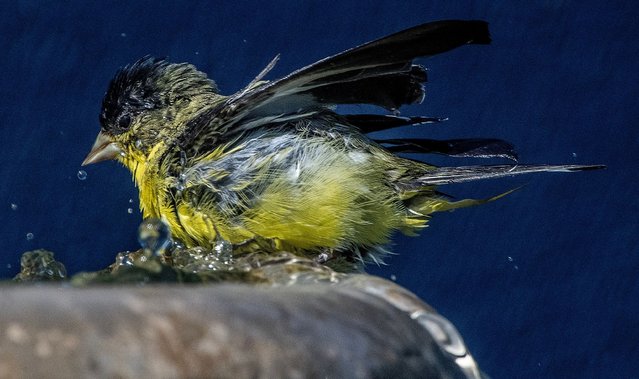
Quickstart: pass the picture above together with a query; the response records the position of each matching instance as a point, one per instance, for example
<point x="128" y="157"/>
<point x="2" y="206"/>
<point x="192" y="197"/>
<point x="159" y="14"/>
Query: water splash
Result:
<point x="198" y="259"/>
<point x="82" y="175"/>
<point x="124" y="259"/>
<point x="40" y="265"/>
<point x="223" y="250"/>
<point x="154" y="237"/>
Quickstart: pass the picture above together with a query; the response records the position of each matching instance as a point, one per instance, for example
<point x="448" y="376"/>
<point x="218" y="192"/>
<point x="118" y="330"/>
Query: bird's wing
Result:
<point x="468" y="147"/>
<point x="378" y="72"/>
<point x="369" y="123"/>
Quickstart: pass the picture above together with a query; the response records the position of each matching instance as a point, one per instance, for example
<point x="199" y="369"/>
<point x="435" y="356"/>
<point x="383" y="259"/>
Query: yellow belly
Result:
<point x="338" y="201"/>
<point x="336" y="207"/>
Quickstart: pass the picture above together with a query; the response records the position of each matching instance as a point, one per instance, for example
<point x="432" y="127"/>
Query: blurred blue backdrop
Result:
<point x="542" y="284"/>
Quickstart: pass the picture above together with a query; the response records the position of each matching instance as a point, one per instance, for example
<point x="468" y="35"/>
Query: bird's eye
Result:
<point x="124" y="121"/>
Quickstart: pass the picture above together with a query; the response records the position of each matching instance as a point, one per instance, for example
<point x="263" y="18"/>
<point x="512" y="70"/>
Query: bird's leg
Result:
<point x="254" y="244"/>
<point x="244" y="247"/>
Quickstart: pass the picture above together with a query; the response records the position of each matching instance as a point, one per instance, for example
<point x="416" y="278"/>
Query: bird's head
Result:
<point x="148" y="102"/>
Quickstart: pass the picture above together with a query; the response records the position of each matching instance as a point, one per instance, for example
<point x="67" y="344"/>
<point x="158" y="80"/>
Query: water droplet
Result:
<point x="393" y="278"/>
<point x="30" y="236"/>
<point x="197" y="53"/>
<point x="510" y="259"/>
<point x="82" y="175"/>
<point x="9" y="265"/>
<point x="322" y="257"/>
<point x="124" y="259"/>
<point x="14" y="207"/>
<point x="180" y="184"/>
<point x="129" y="210"/>
<point x="516" y="267"/>
<point x="154" y="237"/>
<point x="122" y="34"/>
<point x="182" y="158"/>
<point x="130" y="201"/>
<point x="574" y="155"/>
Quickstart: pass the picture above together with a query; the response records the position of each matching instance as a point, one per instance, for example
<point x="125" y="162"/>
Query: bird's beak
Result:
<point x="103" y="149"/>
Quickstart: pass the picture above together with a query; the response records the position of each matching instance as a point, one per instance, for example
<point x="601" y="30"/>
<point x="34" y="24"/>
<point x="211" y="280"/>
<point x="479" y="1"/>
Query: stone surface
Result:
<point x="364" y="327"/>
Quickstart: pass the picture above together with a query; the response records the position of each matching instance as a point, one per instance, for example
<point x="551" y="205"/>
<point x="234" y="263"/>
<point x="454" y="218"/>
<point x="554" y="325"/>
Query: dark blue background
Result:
<point x="542" y="284"/>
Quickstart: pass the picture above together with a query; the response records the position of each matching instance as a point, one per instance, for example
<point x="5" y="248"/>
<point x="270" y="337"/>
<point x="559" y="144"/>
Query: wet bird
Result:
<point x="274" y="167"/>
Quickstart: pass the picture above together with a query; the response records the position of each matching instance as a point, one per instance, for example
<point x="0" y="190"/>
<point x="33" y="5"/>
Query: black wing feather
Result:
<point x="470" y="147"/>
<point x="391" y="55"/>
<point x="389" y="91"/>
<point x="364" y="74"/>
<point x="369" y="123"/>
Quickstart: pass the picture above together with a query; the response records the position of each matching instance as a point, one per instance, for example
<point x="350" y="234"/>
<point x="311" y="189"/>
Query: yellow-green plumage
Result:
<point x="308" y="193"/>
<point x="274" y="167"/>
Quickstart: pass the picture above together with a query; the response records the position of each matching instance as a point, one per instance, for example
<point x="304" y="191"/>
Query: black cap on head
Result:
<point x="132" y="90"/>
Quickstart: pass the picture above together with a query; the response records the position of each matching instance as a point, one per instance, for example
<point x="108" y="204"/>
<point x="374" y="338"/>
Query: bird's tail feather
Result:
<point x="448" y="175"/>
<point x="421" y="204"/>
<point x="424" y="205"/>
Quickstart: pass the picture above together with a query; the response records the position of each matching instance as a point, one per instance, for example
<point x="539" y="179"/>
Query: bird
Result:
<point x="276" y="167"/>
